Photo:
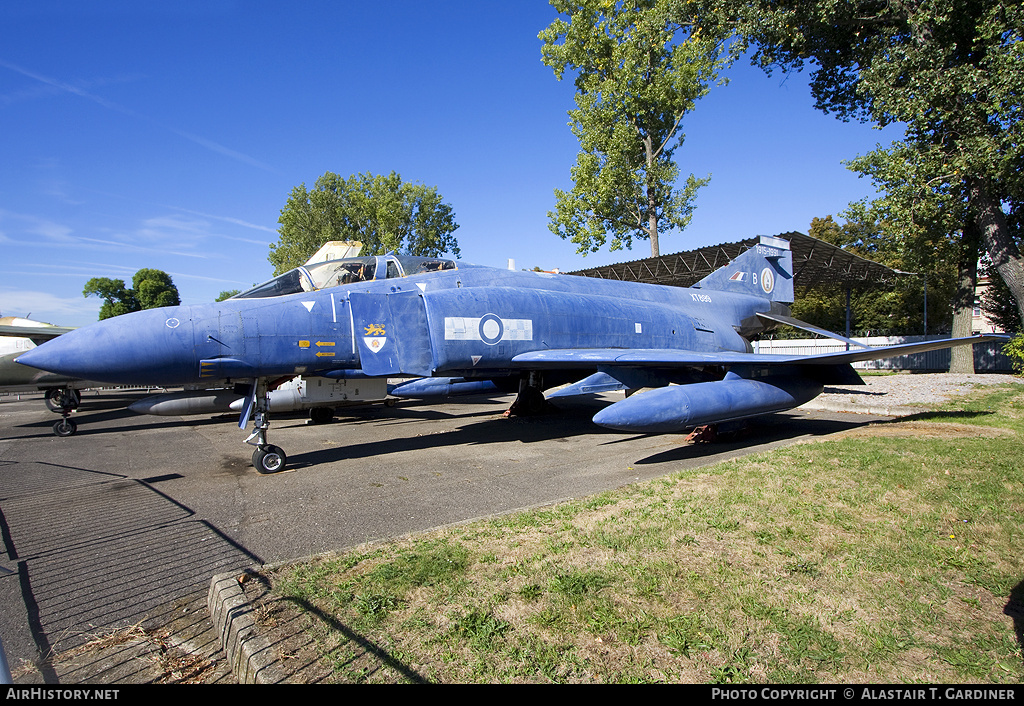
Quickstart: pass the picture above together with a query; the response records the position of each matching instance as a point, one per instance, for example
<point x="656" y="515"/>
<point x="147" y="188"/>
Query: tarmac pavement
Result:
<point x="111" y="537"/>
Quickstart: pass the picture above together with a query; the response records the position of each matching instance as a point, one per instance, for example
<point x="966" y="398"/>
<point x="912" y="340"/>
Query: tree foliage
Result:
<point x="1014" y="349"/>
<point x="150" y="289"/>
<point x="383" y="212"/>
<point x="892" y="308"/>
<point x="950" y="71"/>
<point x="638" y="70"/>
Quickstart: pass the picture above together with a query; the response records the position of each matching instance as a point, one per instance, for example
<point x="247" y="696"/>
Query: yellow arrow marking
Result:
<point x="321" y="354"/>
<point x="325" y="343"/>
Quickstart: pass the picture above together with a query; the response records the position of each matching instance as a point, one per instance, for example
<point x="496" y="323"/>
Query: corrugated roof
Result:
<point x="815" y="263"/>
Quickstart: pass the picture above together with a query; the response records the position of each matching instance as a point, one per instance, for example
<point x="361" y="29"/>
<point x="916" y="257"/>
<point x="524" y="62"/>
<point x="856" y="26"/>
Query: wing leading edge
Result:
<point x="583" y="358"/>
<point x="754" y="384"/>
<point x="38" y="334"/>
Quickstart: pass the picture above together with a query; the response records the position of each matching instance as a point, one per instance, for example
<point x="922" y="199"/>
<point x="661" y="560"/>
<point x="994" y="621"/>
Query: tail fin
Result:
<point x="765" y="270"/>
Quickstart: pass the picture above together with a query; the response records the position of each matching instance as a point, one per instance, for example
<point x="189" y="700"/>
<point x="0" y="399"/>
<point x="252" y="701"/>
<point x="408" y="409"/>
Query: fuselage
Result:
<point x="468" y="321"/>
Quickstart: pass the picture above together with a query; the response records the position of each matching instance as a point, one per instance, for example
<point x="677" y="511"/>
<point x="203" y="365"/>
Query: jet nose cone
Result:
<point x="153" y="347"/>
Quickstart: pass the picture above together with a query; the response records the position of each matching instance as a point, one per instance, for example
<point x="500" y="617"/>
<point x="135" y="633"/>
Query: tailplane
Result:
<point x="765" y="270"/>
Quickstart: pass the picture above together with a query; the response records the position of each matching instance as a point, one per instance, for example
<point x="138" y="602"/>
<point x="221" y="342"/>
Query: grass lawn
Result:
<point x="887" y="554"/>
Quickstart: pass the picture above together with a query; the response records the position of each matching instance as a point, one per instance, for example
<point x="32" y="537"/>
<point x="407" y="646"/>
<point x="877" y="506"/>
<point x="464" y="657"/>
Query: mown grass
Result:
<point x="891" y="555"/>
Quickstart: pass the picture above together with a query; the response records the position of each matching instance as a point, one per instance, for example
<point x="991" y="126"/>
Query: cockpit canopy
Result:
<point x="350" y="270"/>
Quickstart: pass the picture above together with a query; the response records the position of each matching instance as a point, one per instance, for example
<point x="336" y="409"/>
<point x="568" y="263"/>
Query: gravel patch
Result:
<point x="897" y="394"/>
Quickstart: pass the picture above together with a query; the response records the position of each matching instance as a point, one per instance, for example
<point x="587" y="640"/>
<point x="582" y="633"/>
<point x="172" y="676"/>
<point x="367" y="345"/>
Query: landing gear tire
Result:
<point x="530" y="402"/>
<point x="59" y="400"/>
<point x="64" y="427"/>
<point x="321" y="415"/>
<point x="269" y="459"/>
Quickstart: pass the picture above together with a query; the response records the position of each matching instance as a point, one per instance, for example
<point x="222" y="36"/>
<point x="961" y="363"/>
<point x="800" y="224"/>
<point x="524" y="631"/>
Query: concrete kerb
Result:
<point x="250" y="654"/>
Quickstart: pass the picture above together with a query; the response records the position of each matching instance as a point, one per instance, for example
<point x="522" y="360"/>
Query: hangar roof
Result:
<point x="815" y="262"/>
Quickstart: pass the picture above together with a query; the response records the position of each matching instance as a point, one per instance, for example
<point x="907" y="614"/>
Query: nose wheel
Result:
<point x="64" y="427"/>
<point x="63" y="401"/>
<point x="269" y="459"/>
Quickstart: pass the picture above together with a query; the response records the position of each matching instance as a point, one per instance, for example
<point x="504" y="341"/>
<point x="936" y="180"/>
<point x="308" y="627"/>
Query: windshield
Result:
<point x="415" y="265"/>
<point x="335" y="272"/>
<point x="349" y="270"/>
<point x="288" y="283"/>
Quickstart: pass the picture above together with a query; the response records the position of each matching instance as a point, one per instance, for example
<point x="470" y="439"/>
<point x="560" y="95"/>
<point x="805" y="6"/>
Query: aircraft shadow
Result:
<point x="761" y="431"/>
<point x="852" y="391"/>
<point x="933" y="415"/>
<point x="484" y="427"/>
<point x="567" y="420"/>
<point x="92" y="423"/>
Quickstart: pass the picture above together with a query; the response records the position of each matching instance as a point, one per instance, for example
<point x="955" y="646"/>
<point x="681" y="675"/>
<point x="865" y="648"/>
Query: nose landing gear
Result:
<point x="64" y="427"/>
<point x="63" y="401"/>
<point x="267" y="458"/>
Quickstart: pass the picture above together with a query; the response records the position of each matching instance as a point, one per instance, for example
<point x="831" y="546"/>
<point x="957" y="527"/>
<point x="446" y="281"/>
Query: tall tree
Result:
<point x="383" y="212"/>
<point x="639" y="68"/>
<point x="150" y="289"/>
<point x="893" y="308"/>
<point x="933" y="224"/>
<point x="154" y="288"/>
<point x="951" y="71"/>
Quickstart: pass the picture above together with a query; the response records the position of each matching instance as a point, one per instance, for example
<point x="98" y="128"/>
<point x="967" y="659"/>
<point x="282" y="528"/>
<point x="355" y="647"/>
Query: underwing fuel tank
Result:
<point x="300" y="393"/>
<point x="677" y="407"/>
<point x="180" y="404"/>
<point x="433" y="388"/>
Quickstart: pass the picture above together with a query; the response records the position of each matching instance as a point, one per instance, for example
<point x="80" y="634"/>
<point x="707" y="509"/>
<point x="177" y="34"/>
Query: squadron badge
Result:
<point x="374" y="336"/>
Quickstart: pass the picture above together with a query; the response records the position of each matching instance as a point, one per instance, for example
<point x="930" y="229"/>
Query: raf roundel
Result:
<point x="491" y="329"/>
<point x="172" y="323"/>
<point x="767" y="280"/>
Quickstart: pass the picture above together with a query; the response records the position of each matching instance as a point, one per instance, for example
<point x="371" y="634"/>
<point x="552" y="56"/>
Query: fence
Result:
<point x="988" y="357"/>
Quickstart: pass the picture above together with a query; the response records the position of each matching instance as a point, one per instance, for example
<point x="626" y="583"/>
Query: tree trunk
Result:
<point x="998" y="241"/>
<point x="962" y="357"/>
<point x="652" y="229"/>
<point x="652" y="203"/>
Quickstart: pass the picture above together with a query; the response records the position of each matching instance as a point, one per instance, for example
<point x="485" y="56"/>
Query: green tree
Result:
<point x="154" y="289"/>
<point x="384" y="213"/>
<point x="638" y="70"/>
<point x="117" y="298"/>
<point x="227" y="294"/>
<point x="950" y="71"/>
<point x="150" y="289"/>
<point x="891" y="308"/>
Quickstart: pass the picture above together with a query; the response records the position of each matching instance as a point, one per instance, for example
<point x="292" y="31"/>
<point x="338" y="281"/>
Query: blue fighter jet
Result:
<point x="395" y="315"/>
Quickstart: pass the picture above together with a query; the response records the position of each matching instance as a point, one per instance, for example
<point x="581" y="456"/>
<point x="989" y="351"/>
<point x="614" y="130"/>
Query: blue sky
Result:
<point x="168" y="136"/>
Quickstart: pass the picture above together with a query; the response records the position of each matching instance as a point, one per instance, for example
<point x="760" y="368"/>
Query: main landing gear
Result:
<point x="267" y="458"/>
<point x="717" y="433"/>
<point x="530" y="400"/>
<point x="63" y="401"/>
<point x="59" y="398"/>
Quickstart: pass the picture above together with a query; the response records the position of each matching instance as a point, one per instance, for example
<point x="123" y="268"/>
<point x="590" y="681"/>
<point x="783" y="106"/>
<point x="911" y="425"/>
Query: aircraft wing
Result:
<point x="37" y="334"/>
<point x="803" y="325"/>
<point x="588" y="358"/>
